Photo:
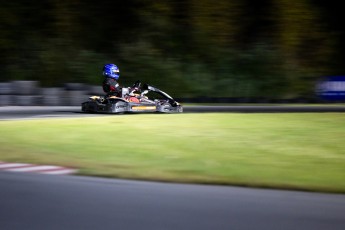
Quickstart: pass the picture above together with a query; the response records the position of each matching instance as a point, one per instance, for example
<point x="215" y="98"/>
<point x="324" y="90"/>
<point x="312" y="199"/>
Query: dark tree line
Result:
<point x="231" y="48"/>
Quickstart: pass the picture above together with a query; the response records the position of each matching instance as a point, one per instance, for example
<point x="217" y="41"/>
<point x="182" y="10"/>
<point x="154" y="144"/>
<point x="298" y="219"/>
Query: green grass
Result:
<point x="294" y="151"/>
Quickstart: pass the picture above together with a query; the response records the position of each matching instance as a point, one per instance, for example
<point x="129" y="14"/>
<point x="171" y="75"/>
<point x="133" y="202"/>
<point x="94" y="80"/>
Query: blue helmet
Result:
<point x="111" y="70"/>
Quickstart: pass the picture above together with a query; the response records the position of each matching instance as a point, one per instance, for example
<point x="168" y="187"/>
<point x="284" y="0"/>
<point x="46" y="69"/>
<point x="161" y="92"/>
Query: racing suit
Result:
<point x="111" y="87"/>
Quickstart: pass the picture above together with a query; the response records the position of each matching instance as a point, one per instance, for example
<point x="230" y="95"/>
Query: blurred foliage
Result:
<point x="231" y="48"/>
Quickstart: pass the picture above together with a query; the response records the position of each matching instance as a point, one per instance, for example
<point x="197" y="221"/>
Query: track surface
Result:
<point x="29" y="201"/>
<point x="72" y="202"/>
<point x="28" y="112"/>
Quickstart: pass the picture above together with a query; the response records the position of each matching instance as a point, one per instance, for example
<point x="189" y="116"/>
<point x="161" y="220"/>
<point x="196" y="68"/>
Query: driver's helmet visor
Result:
<point x="115" y="71"/>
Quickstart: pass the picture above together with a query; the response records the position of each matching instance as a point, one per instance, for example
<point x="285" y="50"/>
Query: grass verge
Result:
<point x="304" y="151"/>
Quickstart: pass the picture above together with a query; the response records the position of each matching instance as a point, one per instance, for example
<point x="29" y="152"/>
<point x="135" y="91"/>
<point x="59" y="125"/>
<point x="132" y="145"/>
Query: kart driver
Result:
<point x="110" y="85"/>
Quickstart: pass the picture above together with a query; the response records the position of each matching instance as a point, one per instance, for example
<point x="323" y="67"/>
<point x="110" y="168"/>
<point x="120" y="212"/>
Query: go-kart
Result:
<point x="150" y="99"/>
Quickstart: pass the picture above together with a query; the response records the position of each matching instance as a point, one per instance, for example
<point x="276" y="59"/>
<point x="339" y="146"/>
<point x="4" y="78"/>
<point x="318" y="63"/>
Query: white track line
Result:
<point x="12" y="165"/>
<point x="61" y="172"/>
<point x="35" y="168"/>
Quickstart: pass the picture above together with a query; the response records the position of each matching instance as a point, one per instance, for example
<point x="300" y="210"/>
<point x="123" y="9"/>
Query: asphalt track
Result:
<point x="34" y="202"/>
<point x="29" y="112"/>
<point x="31" y="201"/>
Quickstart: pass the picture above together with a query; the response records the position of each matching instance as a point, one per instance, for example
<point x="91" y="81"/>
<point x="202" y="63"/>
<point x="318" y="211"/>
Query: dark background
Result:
<point x="274" y="49"/>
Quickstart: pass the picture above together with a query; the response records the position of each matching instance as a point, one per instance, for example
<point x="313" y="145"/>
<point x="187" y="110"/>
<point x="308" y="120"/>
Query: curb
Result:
<point x="40" y="169"/>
